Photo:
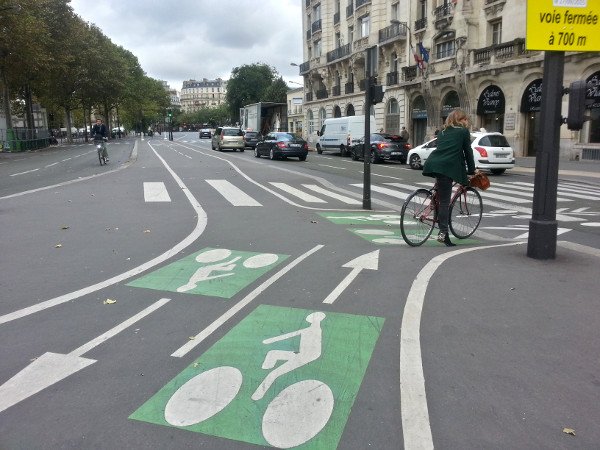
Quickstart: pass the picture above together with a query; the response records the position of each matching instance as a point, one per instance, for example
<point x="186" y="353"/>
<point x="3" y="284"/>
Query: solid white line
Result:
<point x="416" y="427"/>
<point x="116" y="330"/>
<point x="195" y="234"/>
<point x="342" y="198"/>
<point x="232" y="193"/>
<point x="333" y="295"/>
<point x="184" y="349"/>
<point x="382" y="190"/>
<point x="156" y="192"/>
<point x="297" y="193"/>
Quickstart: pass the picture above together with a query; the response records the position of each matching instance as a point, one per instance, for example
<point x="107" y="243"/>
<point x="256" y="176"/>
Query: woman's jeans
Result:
<point x="445" y="192"/>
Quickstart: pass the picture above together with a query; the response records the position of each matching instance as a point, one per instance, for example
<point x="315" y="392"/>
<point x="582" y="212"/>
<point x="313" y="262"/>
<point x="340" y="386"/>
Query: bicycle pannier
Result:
<point x="480" y="181"/>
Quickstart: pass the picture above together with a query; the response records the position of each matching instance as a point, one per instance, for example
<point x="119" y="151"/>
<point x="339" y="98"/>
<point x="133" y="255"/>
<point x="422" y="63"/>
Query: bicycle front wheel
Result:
<point x="417" y="217"/>
<point x="465" y="213"/>
<point x="100" y="157"/>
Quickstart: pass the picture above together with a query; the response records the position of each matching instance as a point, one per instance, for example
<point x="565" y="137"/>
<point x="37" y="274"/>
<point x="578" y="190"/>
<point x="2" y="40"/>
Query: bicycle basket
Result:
<point x="480" y="181"/>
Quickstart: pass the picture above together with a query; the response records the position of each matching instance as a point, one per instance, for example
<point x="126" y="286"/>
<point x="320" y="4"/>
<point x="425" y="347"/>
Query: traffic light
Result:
<point x="577" y="93"/>
<point x="376" y="93"/>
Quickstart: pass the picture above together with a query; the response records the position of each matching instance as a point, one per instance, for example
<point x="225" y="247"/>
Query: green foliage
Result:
<point x="276" y="92"/>
<point x="247" y="85"/>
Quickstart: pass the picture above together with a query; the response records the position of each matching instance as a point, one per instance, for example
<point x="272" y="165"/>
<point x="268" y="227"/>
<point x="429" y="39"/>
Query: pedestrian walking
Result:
<point x="451" y="161"/>
<point x="404" y="134"/>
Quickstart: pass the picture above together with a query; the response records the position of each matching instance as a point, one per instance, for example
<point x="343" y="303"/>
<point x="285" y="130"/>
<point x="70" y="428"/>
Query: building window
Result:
<point x="496" y="32"/>
<point x="445" y="49"/>
<point x="317" y="48"/>
<point x="422" y="13"/>
<point x="364" y="26"/>
<point x="350" y="35"/>
<point x="395" y="14"/>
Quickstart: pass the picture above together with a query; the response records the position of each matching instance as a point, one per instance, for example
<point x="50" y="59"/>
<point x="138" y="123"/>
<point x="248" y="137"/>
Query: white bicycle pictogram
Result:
<point x="296" y="415"/>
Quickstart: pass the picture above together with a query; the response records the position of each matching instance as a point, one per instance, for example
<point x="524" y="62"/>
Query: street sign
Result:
<point x="563" y="25"/>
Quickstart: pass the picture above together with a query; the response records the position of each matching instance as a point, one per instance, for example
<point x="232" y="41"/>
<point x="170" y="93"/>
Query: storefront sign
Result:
<point x="509" y="121"/>
<point x="491" y="101"/>
<point x="532" y="97"/>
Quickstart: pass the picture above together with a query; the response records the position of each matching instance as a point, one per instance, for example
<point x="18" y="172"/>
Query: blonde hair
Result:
<point x="454" y="118"/>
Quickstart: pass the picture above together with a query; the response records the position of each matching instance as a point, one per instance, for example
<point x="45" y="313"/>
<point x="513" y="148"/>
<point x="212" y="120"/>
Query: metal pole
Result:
<point x="367" y="144"/>
<point x="543" y="227"/>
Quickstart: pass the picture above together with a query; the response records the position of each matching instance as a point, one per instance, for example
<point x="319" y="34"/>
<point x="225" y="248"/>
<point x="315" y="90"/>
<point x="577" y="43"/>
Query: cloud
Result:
<point x="195" y="39"/>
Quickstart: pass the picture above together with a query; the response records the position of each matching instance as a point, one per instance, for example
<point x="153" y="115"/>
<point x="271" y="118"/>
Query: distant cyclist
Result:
<point x="100" y="133"/>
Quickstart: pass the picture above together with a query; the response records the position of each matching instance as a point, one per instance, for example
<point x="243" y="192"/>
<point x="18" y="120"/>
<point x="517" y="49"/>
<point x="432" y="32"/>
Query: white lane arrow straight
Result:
<point x="367" y="261"/>
<point x="51" y="368"/>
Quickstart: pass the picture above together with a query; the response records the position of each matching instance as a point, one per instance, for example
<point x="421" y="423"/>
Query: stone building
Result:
<point x="295" y="113"/>
<point x="202" y="94"/>
<point x="471" y="55"/>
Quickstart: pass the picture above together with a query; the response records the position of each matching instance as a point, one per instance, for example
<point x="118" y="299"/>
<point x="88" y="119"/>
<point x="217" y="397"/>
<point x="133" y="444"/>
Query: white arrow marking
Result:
<point x="367" y="261"/>
<point x="50" y="368"/>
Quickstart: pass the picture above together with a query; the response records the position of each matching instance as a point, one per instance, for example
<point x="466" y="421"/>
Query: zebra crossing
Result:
<point x="516" y="195"/>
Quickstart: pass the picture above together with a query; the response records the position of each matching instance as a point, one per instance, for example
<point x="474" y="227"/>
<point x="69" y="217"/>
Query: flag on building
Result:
<point x="419" y="62"/>
<point x="424" y="52"/>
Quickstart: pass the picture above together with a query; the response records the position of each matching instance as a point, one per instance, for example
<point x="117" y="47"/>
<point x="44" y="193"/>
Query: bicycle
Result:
<point x="100" y="149"/>
<point x="419" y="213"/>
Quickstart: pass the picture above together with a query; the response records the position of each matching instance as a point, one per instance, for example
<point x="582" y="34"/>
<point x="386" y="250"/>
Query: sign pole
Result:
<point x="370" y="72"/>
<point x="543" y="227"/>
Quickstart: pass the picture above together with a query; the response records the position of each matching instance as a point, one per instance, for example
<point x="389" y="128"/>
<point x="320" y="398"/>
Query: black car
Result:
<point x="278" y="145"/>
<point x="384" y="147"/>
<point x="252" y="138"/>
<point x="205" y="133"/>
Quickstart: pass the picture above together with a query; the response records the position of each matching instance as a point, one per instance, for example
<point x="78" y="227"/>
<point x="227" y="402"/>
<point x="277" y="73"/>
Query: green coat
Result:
<point x="452" y="156"/>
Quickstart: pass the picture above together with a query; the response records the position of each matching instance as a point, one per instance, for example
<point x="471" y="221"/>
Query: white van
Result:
<point x="338" y="134"/>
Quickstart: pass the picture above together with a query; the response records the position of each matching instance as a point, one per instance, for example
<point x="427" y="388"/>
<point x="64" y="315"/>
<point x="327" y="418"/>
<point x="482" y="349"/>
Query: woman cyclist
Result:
<point x="451" y="161"/>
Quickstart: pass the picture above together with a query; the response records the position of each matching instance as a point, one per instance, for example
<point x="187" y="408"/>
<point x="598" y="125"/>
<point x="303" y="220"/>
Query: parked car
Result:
<point x="278" y="145"/>
<point x="491" y="151"/>
<point x="228" y="137"/>
<point x="252" y="138"/>
<point x="384" y="147"/>
<point x="205" y="133"/>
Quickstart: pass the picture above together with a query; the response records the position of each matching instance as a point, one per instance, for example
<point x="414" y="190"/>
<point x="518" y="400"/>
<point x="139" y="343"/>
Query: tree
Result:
<point x="247" y="85"/>
<point x="276" y="92"/>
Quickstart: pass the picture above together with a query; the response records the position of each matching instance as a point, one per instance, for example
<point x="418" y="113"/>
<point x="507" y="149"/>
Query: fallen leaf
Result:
<point x="58" y="246"/>
<point x="192" y="338"/>
<point x="147" y="231"/>
<point x="108" y="301"/>
<point x="313" y="221"/>
<point x="64" y="228"/>
<point x="569" y="431"/>
<point x="196" y="364"/>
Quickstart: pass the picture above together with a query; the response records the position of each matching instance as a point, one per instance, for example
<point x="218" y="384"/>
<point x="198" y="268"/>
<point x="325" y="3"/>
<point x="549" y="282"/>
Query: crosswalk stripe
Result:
<point x="155" y="192"/>
<point x="567" y="191"/>
<point x="232" y="194"/>
<point x="342" y="198"/>
<point x="382" y="190"/>
<point x="297" y="193"/>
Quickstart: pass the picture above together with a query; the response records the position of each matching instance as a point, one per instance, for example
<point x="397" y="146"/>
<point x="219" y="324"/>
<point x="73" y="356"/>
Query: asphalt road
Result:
<point x="182" y="297"/>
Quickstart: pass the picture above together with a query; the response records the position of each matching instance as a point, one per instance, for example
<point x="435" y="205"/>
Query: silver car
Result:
<point x="228" y="137"/>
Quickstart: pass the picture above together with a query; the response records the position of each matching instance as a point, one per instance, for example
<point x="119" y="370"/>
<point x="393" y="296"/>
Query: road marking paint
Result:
<point x="156" y="192"/>
<point x="184" y="349"/>
<point x="232" y="193"/>
<point x="386" y="191"/>
<point x="23" y="173"/>
<point x="368" y="261"/>
<point x="297" y="193"/>
<point x="186" y="242"/>
<point x="342" y="198"/>
<point x="416" y="426"/>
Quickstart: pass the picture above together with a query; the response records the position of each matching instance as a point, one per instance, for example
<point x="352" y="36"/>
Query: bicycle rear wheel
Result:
<point x="417" y="217"/>
<point x="465" y="213"/>
<point x="101" y="158"/>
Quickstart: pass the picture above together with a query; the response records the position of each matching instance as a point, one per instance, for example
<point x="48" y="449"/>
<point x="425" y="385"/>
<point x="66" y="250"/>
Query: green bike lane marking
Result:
<point x="239" y="389"/>
<point x="385" y="231"/>
<point x="213" y="272"/>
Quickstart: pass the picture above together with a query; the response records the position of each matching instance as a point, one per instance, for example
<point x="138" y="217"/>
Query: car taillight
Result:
<point x="305" y="145"/>
<point x="482" y="151"/>
<point x="348" y="140"/>
<point x="281" y="145"/>
<point x="382" y="145"/>
<point x="408" y="146"/>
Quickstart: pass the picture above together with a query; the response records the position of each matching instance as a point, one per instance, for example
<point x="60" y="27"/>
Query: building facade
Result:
<point x="434" y="56"/>
<point x="202" y="94"/>
<point x="295" y="112"/>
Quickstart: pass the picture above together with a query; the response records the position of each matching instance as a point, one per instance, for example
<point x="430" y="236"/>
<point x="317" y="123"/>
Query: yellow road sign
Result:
<point x="563" y="25"/>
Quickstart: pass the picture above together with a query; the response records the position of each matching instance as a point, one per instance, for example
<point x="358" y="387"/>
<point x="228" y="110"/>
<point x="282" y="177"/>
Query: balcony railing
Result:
<point x="500" y="52"/>
<point x="442" y="11"/>
<point x="316" y="26"/>
<point x="339" y="52"/>
<point x="392" y="78"/>
<point x="336" y="91"/>
<point x="393" y="31"/>
<point x="359" y="3"/>
<point x="322" y="93"/>
<point x="420" y="24"/>
<point x="309" y="96"/>
<point x="304" y="67"/>
<point x="349" y="88"/>
<point x="409" y="73"/>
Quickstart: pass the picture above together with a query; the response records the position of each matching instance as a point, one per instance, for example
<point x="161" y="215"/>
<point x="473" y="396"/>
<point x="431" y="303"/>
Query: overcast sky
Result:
<point x="177" y="40"/>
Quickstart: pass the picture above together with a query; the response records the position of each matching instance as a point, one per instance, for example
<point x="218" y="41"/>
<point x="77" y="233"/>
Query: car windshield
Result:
<point x="289" y="137"/>
<point x="494" y="140"/>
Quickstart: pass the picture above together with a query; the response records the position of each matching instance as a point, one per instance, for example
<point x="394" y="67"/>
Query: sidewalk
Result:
<point x="589" y="169"/>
